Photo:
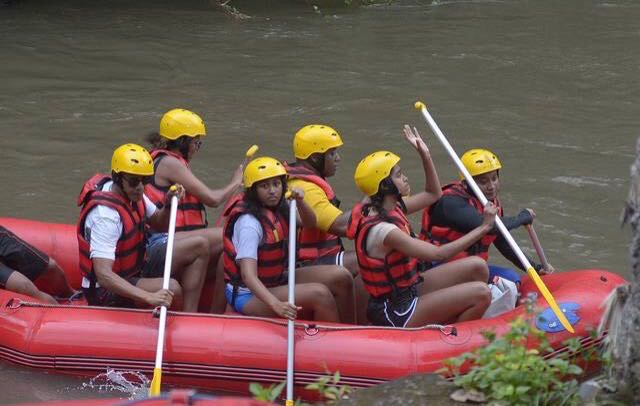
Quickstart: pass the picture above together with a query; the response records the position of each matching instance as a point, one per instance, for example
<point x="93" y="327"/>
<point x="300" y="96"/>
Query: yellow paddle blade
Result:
<point x="289" y="402"/>
<point x="154" y="389"/>
<point x="549" y="298"/>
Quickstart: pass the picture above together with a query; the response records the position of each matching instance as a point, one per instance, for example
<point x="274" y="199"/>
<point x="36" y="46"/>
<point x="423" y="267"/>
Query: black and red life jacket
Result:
<point x="440" y="235"/>
<point x="192" y="214"/>
<point x="396" y="271"/>
<point x="272" y="253"/>
<point x="312" y="242"/>
<point x="130" y="249"/>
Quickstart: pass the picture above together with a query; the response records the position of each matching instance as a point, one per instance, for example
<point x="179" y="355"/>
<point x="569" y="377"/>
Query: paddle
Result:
<point x="292" y="284"/>
<point x="503" y="230"/>
<point x="538" y="247"/>
<point x="154" y="389"/>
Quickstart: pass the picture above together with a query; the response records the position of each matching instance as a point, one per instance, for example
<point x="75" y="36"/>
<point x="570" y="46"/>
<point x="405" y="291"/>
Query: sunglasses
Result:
<point x="197" y="144"/>
<point x="134" y="181"/>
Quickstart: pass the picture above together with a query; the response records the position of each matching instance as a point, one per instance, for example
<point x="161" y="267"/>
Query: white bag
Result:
<point x="504" y="295"/>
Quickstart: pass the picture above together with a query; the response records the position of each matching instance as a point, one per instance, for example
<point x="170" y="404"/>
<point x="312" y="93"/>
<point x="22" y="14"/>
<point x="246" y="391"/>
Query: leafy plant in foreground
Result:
<point x="506" y="371"/>
<point x="328" y="386"/>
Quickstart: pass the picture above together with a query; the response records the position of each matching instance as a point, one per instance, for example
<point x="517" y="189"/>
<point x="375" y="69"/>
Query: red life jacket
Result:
<point x="272" y="253"/>
<point x="381" y="277"/>
<point x="314" y="243"/>
<point x="191" y="214"/>
<point x="130" y="248"/>
<point x="440" y="235"/>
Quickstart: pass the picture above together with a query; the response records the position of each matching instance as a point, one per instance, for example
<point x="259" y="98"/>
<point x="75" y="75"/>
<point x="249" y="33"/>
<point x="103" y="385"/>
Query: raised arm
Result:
<point x="432" y="188"/>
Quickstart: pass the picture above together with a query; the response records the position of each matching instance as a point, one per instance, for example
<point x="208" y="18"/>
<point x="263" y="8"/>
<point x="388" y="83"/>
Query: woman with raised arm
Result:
<point x="391" y="258"/>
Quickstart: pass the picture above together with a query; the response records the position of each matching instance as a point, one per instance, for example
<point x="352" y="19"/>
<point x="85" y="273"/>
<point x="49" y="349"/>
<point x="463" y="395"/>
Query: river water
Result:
<point x="550" y="86"/>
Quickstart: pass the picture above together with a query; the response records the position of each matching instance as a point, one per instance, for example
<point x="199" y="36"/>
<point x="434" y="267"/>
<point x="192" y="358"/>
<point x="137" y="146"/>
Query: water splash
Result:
<point x="133" y="383"/>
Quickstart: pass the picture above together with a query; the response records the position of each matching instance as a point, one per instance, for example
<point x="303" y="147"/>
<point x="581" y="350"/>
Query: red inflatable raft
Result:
<point x="227" y="352"/>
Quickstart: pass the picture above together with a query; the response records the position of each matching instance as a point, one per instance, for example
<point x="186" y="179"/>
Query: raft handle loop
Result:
<point x="311" y="330"/>
<point x="156" y="312"/>
<point x="447" y="330"/>
<point x="14" y="303"/>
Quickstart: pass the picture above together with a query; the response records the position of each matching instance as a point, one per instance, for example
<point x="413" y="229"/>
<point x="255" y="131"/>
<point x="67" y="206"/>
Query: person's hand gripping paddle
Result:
<point x="503" y="230"/>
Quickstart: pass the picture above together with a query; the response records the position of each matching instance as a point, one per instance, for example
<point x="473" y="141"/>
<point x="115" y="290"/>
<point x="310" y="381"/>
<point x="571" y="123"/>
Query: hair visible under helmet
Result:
<point x="260" y="169"/>
<point x="177" y="127"/>
<point x="373" y="178"/>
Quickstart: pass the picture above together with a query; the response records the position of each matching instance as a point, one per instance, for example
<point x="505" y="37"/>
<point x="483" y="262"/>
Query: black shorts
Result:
<point x="17" y="255"/>
<point x="103" y="297"/>
<point x="334" y="259"/>
<point x="154" y="260"/>
<point x="394" y="312"/>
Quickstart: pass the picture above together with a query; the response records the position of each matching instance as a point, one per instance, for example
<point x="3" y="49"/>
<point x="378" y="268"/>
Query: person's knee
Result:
<point x="20" y="284"/>
<point x="53" y="265"/>
<point x="482" y="293"/>
<point x="343" y="279"/>
<point x="320" y="294"/>
<point x="175" y="287"/>
<point x="202" y="246"/>
<point x="479" y="267"/>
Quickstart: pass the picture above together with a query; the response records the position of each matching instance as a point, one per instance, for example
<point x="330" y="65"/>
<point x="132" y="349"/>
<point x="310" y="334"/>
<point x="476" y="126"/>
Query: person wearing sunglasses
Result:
<point x="173" y="147"/>
<point x="117" y="267"/>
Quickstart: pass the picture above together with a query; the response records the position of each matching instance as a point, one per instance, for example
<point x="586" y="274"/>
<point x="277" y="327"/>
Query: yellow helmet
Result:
<point x="373" y="169"/>
<point x="479" y="161"/>
<point x="178" y="122"/>
<point x="262" y="168"/>
<point x="315" y="138"/>
<point x="132" y="159"/>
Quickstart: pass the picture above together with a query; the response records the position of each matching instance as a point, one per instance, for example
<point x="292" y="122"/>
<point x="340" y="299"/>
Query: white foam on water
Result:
<point x="132" y="383"/>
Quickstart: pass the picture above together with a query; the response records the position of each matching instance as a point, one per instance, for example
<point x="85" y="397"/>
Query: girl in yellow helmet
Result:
<point x="255" y="253"/>
<point x="389" y="255"/>
<point x="179" y="138"/>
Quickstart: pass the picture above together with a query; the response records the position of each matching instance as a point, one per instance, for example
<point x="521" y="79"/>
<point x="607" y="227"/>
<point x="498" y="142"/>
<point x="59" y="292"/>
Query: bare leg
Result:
<point x="190" y="259"/>
<point x="219" y="303"/>
<point x="55" y="280"/>
<point x="339" y="281"/>
<point x="453" y="273"/>
<point x="19" y="283"/>
<point x="350" y="261"/>
<point x="467" y="301"/>
<point x="314" y="296"/>
<point x="155" y="284"/>
<point x="214" y="238"/>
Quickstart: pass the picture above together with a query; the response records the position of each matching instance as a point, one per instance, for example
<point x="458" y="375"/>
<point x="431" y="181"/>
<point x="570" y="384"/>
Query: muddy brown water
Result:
<point x="550" y="86"/>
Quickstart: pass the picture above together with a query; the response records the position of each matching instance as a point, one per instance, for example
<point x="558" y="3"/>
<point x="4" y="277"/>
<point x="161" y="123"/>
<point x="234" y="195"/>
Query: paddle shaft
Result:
<point x="503" y="230"/>
<point x="154" y="390"/>
<point x="292" y="298"/>
<point x="538" y="247"/>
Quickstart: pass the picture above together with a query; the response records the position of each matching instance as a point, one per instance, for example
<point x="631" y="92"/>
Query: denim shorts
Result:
<point x="243" y="295"/>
